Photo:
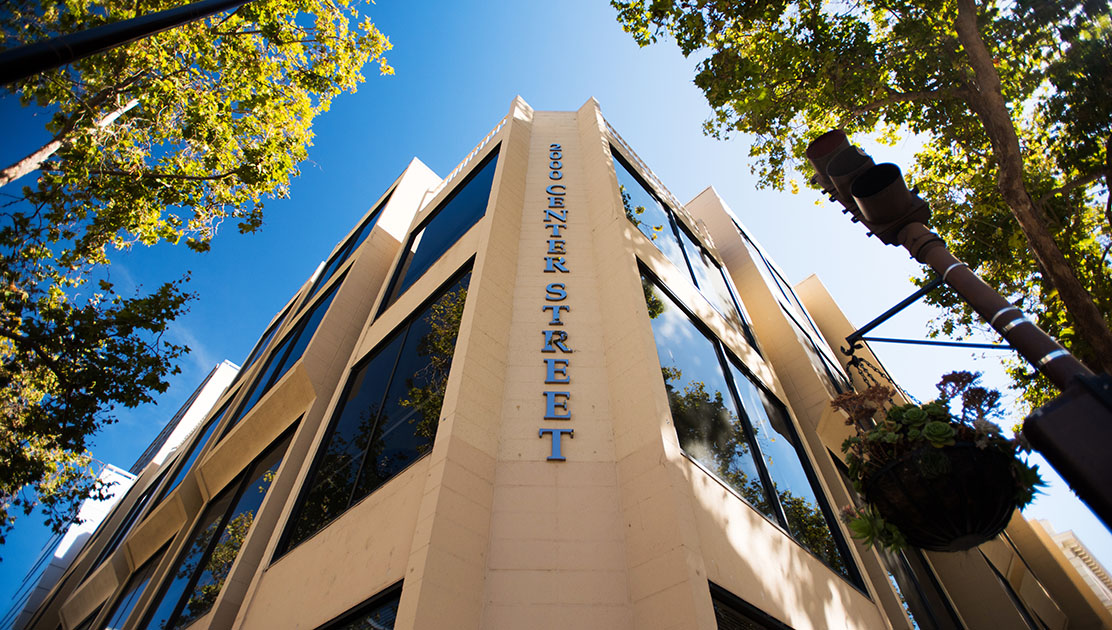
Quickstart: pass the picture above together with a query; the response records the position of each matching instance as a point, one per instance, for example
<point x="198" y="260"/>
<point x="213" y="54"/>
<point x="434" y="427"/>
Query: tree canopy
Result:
<point x="1012" y="101"/>
<point x="160" y="140"/>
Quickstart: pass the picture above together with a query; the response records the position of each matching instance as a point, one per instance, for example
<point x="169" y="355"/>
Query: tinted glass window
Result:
<point x="711" y="282"/>
<point x="647" y="213"/>
<point x="379" y="614"/>
<point x="286" y="354"/>
<point x="703" y="410"/>
<point x="783" y="460"/>
<point x="262" y="344"/>
<point x="190" y="559"/>
<point x="814" y="342"/>
<point x="455" y="216"/>
<point x="214" y="546"/>
<point x="735" y="429"/>
<point x="732" y="613"/>
<point x="195" y="449"/>
<point x="389" y="414"/>
<point x="349" y="246"/>
<point x="128" y="524"/>
<point x="135" y="586"/>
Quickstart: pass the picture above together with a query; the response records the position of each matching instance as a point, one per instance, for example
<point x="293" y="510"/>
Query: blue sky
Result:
<point x="458" y="66"/>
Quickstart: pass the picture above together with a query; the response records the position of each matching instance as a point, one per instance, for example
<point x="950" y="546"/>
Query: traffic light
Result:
<point x="875" y="194"/>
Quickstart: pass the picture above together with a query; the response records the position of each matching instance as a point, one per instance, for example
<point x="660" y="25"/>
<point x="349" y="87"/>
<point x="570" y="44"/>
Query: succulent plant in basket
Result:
<point x="933" y="477"/>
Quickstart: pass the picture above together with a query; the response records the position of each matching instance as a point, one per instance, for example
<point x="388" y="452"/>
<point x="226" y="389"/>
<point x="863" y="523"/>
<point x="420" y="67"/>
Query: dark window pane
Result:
<point x="285" y="355"/>
<point x="703" y="412"/>
<point x="648" y="214"/>
<point x="793" y="309"/>
<point x="135" y="586"/>
<point x="455" y="216"/>
<point x="262" y="344"/>
<point x="199" y="574"/>
<point x="334" y="478"/>
<point x="194" y="450"/>
<point x="128" y="524"/>
<point x="223" y="554"/>
<point x="348" y="247"/>
<point x="782" y="458"/>
<point x="189" y="561"/>
<point x="732" y="613"/>
<point x="380" y="614"/>
<point x="389" y="415"/>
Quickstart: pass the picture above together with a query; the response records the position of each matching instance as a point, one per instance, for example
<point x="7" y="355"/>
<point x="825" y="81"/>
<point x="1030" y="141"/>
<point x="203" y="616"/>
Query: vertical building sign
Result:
<point x="557" y="365"/>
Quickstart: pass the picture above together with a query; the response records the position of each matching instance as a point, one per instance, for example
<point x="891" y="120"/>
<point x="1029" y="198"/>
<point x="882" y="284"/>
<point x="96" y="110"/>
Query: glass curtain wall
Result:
<point x="659" y="224"/>
<point x="200" y="572"/>
<point x="457" y="214"/>
<point x="353" y="242"/>
<point x="737" y="431"/>
<point x="388" y="416"/>
<point x="286" y="354"/>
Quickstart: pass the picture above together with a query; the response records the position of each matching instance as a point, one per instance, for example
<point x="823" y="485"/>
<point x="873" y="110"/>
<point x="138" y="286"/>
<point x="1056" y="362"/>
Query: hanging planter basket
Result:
<point x="946" y="499"/>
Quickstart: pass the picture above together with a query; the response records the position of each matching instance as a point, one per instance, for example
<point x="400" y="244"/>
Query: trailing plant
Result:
<point x="963" y="413"/>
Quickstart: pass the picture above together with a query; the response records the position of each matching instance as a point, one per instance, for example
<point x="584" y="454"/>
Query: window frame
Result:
<point x="284" y="545"/>
<point x="237" y="487"/>
<point x="350" y="244"/>
<point x="242" y="407"/>
<point x="728" y="600"/>
<point x="834" y="371"/>
<point x="196" y="447"/>
<point x="726" y="357"/>
<point x="390" y="295"/>
<point x="263" y="343"/>
<point x="150" y="567"/>
<point x="680" y="230"/>
<point x="355" y="612"/>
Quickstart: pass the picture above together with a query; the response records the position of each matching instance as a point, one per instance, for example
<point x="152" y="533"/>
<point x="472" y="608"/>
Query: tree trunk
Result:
<point x="35" y="160"/>
<point x="987" y="101"/>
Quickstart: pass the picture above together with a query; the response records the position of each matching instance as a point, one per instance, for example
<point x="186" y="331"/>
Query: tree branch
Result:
<point x="1084" y="180"/>
<point x="154" y="174"/>
<point x="905" y="97"/>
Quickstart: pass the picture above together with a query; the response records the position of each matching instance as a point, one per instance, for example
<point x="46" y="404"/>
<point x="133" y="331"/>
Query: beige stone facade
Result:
<point x="557" y="492"/>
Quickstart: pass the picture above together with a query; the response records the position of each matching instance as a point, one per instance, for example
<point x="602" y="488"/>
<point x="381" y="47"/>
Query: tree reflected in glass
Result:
<point x="746" y="442"/>
<point x="389" y="416"/>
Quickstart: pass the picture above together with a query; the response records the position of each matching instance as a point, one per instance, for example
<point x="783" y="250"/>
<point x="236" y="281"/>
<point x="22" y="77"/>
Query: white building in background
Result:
<point x="60" y="550"/>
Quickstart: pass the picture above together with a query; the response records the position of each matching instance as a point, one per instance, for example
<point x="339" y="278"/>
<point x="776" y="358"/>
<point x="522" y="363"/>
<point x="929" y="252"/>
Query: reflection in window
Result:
<point x="646" y="212"/>
<point x="262" y="344"/>
<point x="657" y="222"/>
<point x="134" y="589"/>
<point x="447" y="224"/>
<point x="353" y="242"/>
<point x="712" y="283"/>
<point x="703" y="410"/>
<point x="732" y="613"/>
<point x="286" y="354"/>
<point x="814" y="343"/>
<point x="128" y="524"/>
<point x="201" y="570"/>
<point x="736" y="430"/>
<point x="186" y="462"/>
<point x="378" y="614"/>
<point x="388" y="417"/>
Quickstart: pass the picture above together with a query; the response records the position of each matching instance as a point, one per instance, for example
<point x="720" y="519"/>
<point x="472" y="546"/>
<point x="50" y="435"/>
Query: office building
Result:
<point x="539" y="392"/>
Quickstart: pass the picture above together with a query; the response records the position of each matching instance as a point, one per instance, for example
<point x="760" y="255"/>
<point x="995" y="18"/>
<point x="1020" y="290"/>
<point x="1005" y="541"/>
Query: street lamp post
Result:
<point x="1074" y="430"/>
